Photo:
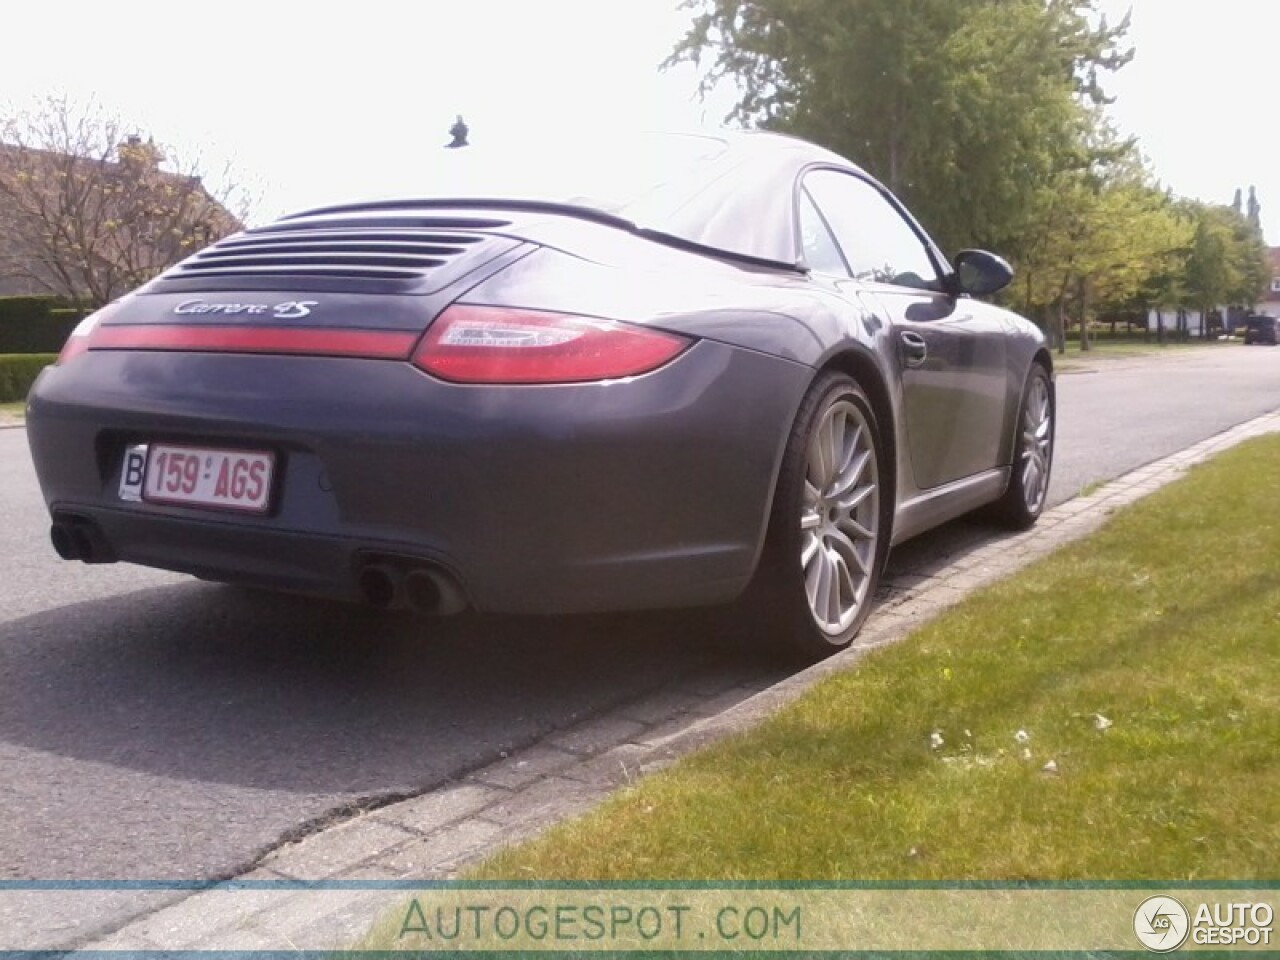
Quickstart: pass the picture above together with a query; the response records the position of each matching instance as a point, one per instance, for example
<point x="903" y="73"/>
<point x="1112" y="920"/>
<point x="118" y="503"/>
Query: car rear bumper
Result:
<point x="648" y="492"/>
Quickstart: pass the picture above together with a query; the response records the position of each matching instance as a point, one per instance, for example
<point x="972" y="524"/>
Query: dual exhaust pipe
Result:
<point x="79" y="538"/>
<point x="422" y="587"/>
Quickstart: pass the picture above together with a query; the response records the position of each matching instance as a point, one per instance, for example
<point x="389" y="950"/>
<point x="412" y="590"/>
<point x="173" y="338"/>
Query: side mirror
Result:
<point x="980" y="273"/>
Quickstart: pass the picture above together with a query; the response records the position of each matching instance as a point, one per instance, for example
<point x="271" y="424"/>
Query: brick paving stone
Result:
<point x="226" y="915"/>
<point x="623" y="764"/>
<point x="966" y="561"/>
<point x="324" y="854"/>
<point x="542" y="803"/>
<point x="661" y="705"/>
<point x="327" y="918"/>
<point x="668" y="728"/>
<point x="524" y="767"/>
<point x="929" y="569"/>
<point x="910" y="581"/>
<point x="597" y="734"/>
<point x="970" y="580"/>
<point x="427" y="856"/>
<point x="431" y="811"/>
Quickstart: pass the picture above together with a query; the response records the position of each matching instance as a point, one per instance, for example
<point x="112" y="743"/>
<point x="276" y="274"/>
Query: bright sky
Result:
<point x="315" y="103"/>
<point x="1198" y="94"/>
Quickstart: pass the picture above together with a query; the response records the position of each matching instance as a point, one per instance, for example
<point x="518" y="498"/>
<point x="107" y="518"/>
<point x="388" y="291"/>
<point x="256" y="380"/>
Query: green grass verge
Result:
<point x="1105" y="351"/>
<point x="11" y="411"/>
<point x="18" y="371"/>
<point x="1166" y="623"/>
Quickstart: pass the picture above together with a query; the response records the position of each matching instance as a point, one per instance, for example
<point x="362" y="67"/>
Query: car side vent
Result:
<point x="367" y="248"/>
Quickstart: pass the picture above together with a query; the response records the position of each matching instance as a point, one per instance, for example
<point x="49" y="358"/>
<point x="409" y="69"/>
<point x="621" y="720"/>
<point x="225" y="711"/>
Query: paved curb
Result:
<point x="433" y="836"/>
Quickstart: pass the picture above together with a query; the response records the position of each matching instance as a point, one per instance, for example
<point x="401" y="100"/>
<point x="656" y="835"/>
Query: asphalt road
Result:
<point x="155" y="727"/>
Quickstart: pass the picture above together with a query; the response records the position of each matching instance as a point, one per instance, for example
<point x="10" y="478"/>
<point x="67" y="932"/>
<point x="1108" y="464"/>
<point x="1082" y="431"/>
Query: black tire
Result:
<point x="779" y="598"/>
<point x="1020" y="507"/>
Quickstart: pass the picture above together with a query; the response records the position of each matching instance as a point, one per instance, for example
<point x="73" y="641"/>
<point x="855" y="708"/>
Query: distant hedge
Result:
<point x="18" y="371"/>
<point x="35" y="324"/>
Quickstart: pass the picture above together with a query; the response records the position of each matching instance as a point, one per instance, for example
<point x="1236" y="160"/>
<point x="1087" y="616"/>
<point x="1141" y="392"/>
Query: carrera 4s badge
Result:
<point x="289" y="310"/>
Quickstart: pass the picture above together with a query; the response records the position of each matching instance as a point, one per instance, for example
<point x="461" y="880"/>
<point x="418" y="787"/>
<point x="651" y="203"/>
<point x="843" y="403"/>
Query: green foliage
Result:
<point x="986" y="117"/>
<point x="1103" y="239"/>
<point x="1227" y="261"/>
<point x="35" y="324"/>
<point x="18" y="371"/>
<point x="965" y="108"/>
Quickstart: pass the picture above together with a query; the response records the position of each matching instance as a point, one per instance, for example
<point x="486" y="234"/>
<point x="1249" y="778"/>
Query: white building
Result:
<point x="1269" y="305"/>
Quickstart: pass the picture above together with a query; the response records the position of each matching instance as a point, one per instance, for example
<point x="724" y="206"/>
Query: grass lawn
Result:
<point x="1141" y="666"/>
<point x="1105" y="351"/>
<point x="12" y="410"/>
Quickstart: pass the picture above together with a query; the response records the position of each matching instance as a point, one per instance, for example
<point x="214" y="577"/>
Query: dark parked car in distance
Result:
<point x="1260" y="330"/>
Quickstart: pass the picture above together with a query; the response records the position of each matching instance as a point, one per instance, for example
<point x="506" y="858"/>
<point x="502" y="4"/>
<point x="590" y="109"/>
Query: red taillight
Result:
<point x="372" y="344"/>
<point x="470" y="344"/>
<point x="78" y="342"/>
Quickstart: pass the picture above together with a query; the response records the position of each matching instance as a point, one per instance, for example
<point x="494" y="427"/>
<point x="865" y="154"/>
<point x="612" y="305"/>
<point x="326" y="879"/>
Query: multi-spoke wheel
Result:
<point x="840" y="518"/>
<point x="1023" y="500"/>
<point x="828" y="530"/>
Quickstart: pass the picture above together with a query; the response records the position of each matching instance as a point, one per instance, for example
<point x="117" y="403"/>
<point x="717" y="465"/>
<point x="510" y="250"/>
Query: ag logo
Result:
<point x="1161" y="924"/>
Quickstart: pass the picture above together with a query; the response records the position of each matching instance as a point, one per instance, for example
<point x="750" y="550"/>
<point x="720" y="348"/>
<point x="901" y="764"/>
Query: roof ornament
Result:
<point x="459" y="132"/>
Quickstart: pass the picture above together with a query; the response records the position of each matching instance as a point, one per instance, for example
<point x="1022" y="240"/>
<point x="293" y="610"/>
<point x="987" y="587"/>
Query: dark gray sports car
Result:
<point x="677" y="371"/>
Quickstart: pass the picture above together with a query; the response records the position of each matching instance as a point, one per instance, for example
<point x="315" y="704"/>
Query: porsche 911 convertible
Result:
<point x="680" y="371"/>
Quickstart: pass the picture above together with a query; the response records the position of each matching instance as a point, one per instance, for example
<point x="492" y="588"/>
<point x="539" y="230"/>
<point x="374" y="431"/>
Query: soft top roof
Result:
<point x="729" y="191"/>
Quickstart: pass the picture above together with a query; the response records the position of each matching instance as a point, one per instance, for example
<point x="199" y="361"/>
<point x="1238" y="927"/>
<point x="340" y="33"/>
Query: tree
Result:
<point x="89" y="213"/>
<point x="1165" y="284"/>
<point x="986" y="117"/>
<point x="1227" y="265"/>
<point x="965" y="108"/>
<point x="1251" y="256"/>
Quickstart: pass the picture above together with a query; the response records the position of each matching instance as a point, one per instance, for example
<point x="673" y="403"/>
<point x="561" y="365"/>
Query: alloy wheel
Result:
<point x="840" y="517"/>
<point x="1037" y="443"/>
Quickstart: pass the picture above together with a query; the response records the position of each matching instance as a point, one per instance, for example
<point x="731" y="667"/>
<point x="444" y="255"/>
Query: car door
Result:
<point x="951" y="350"/>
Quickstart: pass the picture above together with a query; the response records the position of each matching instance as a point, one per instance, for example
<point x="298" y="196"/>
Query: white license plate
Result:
<point x="197" y="476"/>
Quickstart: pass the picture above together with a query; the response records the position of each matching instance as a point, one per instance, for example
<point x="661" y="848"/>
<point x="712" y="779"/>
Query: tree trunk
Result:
<point x="1160" y="326"/>
<point x="1061" y="325"/>
<point x="1085" y="345"/>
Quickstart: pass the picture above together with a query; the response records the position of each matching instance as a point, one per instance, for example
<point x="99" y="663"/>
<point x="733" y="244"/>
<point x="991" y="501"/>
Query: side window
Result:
<point x="879" y="245"/>
<point x="820" y="251"/>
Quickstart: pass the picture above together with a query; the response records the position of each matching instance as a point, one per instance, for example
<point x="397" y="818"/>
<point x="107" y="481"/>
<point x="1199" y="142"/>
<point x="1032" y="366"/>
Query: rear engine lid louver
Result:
<point x="381" y="253"/>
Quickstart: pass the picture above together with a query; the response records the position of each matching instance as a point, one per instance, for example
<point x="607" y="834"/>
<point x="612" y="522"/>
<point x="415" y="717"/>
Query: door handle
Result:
<point x="914" y="349"/>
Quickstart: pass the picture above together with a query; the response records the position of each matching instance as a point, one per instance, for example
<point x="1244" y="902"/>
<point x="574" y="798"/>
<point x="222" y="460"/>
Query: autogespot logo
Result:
<point x="1161" y="924"/>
